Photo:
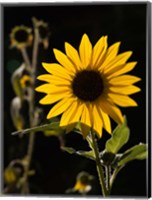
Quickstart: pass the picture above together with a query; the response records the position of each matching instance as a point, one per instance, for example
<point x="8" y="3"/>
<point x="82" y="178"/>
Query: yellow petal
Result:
<point x="60" y="107"/>
<point x="85" y="51"/>
<point x="51" y="98"/>
<point x="73" y="55"/>
<point x="120" y="69"/>
<point x="97" y="121"/>
<point x="72" y="114"/>
<point x="106" y="121"/>
<point x="64" y="61"/>
<point x="86" y="118"/>
<point x="45" y="77"/>
<point x="85" y="121"/>
<point x="56" y="80"/>
<point x="122" y="100"/>
<point x="99" y="51"/>
<point x="113" y="111"/>
<point x="60" y="90"/>
<point x="59" y="81"/>
<point x="58" y="70"/>
<point x="118" y="60"/>
<point x="124" y="80"/>
<point x="126" y="90"/>
<point x="67" y="115"/>
<point x="45" y="88"/>
<point x="111" y="54"/>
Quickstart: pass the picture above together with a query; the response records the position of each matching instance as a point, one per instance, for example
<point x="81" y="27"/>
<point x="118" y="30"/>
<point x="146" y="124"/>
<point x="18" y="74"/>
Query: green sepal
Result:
<point x="86" y="154"/>
<point x="120" y="136"/>
<point x="137" y="152"/>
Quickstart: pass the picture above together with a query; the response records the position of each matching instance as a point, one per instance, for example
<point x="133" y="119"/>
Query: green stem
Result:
<point x="25" y="188"/>
<point x="99" y="167"/>
<point x="26" y="59"/>
<point x="107" y="172"/>
<point x="116" y="171"/>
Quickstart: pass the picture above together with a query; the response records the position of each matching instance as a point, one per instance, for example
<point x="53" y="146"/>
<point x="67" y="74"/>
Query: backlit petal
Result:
<point x="52" y="98"/>
<point x="124" y="80"/>
<point x="97" y="121"/>
<point x="118" y="60"/>
<point x="72" y="114"/>
<point x="86" y="121"/>
<point x="45" y="88"/>
<point x="85" y="51"/>
<point x="59" y="81"/>
<point x="111" y="54"/>
<point x="113" y="111"/>
<point x="58" y="70"/>
<point x="64" y="61"/>
<point x="126" y="90"/>
<point x="98" y="52"/>
<point x="60" y="107"/>
<point x="122" y="100"/>
<point x="73" y="55"/>
<point x="120" y="69"/>
<point x="45" y="77"/>
<point x="106" y="120"/>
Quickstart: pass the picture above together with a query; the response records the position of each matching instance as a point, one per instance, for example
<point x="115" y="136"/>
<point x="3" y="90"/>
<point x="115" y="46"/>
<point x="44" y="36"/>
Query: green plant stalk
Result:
<point x="26" y="59"/>
<point x="116" y="171"/>
<point x="107" y="173"/>
<point x="99" y="167"/>
<point x="25" y="188"/>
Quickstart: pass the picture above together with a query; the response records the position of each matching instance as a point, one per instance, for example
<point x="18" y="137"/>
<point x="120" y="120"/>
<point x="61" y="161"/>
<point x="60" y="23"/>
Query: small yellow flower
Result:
<point x="25" y="80"/>
<point x="83" y="181"/>
<point x="81" y="187"/>
<point x="89" y="85"/>
<point x="10" y="175"/>
<point x="21" y="37"/>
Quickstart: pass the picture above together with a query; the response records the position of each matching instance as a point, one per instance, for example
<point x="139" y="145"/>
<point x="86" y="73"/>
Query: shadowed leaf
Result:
<point x="119" y="137"/>
<point x="86" y="154"/>
<point x="138" y="152"/>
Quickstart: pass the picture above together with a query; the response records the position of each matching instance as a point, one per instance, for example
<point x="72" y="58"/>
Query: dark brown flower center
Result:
<point x="21" y="36"/>
<point x="88" y="85"/>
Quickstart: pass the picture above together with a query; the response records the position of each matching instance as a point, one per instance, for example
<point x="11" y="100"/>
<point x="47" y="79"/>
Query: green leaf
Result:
<point x="54" y="132"/>
<point x="69" y="150"/>
<point x="17" y="87"/>
<point x="138" y="152"/>
<point x="119" y="137"/>
<point x="51" y="126"/>
<point x="15" y="79"/>
<point x="86" y="154"/>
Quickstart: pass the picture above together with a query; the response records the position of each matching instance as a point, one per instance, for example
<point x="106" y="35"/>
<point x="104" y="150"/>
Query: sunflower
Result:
<point x="89" y="86"/>
<point x="83" y="182"/>
<point x="21" y="37"/>
<point x="25" y="81"/>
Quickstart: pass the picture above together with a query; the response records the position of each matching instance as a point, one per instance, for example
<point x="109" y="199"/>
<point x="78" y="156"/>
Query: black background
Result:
<point x="56" y="170"/>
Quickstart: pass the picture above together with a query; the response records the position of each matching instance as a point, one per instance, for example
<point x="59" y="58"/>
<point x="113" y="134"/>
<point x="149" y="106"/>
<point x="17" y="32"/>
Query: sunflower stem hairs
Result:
<point x="88" y="85"/>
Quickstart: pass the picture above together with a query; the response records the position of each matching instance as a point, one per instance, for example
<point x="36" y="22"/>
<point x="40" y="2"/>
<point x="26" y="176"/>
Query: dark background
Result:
<point x="56" y="170"/>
